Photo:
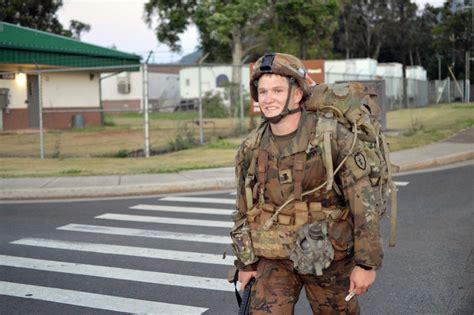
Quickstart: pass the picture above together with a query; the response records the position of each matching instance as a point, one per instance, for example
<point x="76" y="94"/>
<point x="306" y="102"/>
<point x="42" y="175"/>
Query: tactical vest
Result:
<point x="278" y="186"/>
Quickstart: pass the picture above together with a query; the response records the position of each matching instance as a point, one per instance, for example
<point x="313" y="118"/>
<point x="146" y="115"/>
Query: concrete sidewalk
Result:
<point x="455" y="149"/>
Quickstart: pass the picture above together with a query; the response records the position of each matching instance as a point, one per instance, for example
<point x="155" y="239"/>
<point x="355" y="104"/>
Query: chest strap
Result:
<point x="261" y="174"/>
<point x="298" y="174"/>
<point x="248" y="183"/>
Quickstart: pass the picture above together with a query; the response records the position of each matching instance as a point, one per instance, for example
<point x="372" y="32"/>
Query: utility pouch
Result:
<point x="316" y="212"/>
<point x="301" y="213"/>
<point x="241" y="239"/>
<point x="267" y="212"/>
<point x="313" y="251"/>
<point x="342" y="239"/>
<point x="253" y="214"/>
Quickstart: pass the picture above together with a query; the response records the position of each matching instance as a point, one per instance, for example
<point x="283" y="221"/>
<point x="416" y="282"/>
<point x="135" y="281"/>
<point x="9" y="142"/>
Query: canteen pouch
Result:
<point x="241" y="239"/>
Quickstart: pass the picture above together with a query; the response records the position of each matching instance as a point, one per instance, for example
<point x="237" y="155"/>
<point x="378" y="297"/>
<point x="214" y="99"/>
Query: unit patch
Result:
<point x="360" y="161"/>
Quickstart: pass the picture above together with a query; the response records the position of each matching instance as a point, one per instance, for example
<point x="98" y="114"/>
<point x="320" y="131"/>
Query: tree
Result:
<point x="38" y="14"/>
<point x="361" y="31"/>
<point x="453" y="36"/>
<point x="231" y="24"/>
<point x="307" y="26"/>
<point x="77" y="28"/>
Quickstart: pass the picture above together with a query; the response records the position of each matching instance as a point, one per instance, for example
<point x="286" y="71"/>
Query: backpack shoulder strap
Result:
<point x="325" y="134"/>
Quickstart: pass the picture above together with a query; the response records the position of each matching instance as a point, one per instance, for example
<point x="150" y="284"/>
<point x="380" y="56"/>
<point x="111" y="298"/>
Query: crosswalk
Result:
<point x="168" y="231"/>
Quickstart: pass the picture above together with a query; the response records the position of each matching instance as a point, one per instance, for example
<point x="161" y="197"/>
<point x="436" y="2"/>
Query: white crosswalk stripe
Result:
<point x="93" y="300"/>
<point x="127" y="251"/>
<point x="226" y="201"/>
<point x="117" y="273"/>
<point x="165" y="220"/>
<point x="183" y="205"/>
<point x="189" y="237"/>
<point x="183" y="209"/>
<point x="398" y="183"/>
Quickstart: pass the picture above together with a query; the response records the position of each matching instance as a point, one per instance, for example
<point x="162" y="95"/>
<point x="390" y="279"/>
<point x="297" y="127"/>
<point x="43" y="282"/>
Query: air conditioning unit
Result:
<point x="123" y="83"/>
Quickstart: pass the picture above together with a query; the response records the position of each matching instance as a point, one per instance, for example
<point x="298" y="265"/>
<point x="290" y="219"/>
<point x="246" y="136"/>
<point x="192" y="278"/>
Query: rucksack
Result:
<point x="355" y="106"/>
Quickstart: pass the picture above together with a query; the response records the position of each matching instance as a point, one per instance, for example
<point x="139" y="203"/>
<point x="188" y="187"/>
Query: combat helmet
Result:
<point x="285" y="65"/>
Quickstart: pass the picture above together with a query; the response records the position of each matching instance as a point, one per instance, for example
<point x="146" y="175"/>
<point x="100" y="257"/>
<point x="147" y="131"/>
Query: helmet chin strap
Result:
<point x="285" y="112"/>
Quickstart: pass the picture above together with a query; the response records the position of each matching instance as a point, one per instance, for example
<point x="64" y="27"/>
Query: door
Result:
<point x="33" y="101"/>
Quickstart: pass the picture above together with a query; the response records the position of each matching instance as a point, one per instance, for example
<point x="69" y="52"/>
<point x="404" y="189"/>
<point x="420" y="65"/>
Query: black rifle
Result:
<point x="245" y="299"/>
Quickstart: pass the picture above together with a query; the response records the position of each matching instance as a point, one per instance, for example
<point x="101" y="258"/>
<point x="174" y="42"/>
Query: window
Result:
<point x="222" y="80"/>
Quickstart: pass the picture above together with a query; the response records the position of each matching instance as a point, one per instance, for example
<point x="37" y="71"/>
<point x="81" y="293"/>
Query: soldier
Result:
<point x="294" y="226"/>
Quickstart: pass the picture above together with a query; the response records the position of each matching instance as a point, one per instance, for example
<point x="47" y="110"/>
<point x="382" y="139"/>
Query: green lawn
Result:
<point x="89" y="152"/>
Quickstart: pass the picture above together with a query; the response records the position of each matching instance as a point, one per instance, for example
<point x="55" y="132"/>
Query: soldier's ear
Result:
<point x="297" y="95"/>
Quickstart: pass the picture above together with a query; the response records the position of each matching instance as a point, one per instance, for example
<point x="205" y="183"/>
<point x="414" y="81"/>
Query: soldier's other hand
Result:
<point x="245" y="277"/>
<point x="361" y="280"/>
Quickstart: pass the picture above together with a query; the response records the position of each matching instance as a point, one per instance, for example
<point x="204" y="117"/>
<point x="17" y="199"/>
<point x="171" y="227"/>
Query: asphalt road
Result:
<point x="100" y="257"/>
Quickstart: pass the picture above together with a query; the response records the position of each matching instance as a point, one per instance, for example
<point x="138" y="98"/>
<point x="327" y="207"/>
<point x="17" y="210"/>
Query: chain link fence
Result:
<point x="118" y="111"/>
<point x="147" y="109"/>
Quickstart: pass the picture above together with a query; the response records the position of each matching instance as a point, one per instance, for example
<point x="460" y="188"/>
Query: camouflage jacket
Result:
<point x="352" y="180"/>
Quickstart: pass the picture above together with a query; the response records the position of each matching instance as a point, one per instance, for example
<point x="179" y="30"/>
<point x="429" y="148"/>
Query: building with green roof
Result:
<point x="70" y="78"/>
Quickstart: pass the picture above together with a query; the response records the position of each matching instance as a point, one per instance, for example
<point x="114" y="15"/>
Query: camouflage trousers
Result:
<point x="278" y="287"/>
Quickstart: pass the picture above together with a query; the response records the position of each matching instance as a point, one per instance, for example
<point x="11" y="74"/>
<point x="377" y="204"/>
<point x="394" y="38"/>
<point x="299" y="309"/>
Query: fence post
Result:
<point x="145" y="107"/>
<point x="40" y="105"/>
<point x="467" y="83"/>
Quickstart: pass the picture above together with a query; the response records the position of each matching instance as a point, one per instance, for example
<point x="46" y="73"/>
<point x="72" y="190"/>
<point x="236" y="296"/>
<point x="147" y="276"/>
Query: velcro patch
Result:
<point x="360" y="161"/>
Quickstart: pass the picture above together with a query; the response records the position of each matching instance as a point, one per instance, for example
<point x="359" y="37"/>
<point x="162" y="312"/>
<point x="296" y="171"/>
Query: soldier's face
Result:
<point x="272" y="93"/>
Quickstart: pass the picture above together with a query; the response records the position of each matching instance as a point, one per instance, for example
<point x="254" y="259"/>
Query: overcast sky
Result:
<point x="120" y="23"/>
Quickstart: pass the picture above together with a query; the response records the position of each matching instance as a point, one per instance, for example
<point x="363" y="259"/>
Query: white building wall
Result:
<point x="17" y="91"/>
<point x="70" y="90"/>
<point x="416" y="73"/>
<point x="392" y="73"/>
<point x="109" y="86"/>
<point x="163" y="87"/>
<point x="189" y="80"/>
<point x="349" y="69"/>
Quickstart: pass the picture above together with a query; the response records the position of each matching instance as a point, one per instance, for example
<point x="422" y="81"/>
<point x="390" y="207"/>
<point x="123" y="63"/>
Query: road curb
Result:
<point x="116" y="191"/>
<point x="439" y="161"/>
<point x="181" y="186"/>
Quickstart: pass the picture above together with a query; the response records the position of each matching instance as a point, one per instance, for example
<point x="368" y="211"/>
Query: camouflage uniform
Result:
<point x="348" y="208"/>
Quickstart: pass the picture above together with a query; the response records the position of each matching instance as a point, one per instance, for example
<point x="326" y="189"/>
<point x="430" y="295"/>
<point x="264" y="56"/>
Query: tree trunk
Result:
<point x="302" y="47"/>
<point x="236" y="75"/>
<point x="377" y="51"/>
<point x="346" y="36"/>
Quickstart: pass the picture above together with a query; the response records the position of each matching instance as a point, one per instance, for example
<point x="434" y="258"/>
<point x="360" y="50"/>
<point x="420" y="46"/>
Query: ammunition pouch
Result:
<point x="280" y="240"/>
<point x="241" y="239"/>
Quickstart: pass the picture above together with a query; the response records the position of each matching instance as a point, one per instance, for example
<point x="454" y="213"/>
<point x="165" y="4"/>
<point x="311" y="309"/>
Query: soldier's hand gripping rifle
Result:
<point x="245" y="303"/>
<point x="244" y="300"/>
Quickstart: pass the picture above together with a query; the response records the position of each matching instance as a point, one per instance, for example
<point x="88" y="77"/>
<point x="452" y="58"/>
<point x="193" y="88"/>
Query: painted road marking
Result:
<point x="189" y="237"/>
<point x="165" y="220"/>
<point x="93" y="300"/>
<point x="183" y="209"/>
<point x="401" y="183"/>
<point x="201" y="199"/>
<point x="117" y="273"/>
<point x="128" y="251"/>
